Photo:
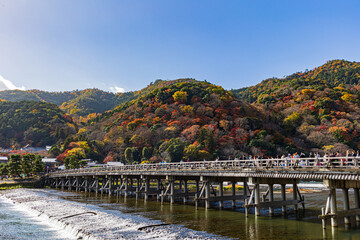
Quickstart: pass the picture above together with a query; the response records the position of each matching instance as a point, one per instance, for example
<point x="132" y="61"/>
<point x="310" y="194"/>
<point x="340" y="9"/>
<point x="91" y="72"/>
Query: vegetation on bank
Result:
<point x="23" y="166"/>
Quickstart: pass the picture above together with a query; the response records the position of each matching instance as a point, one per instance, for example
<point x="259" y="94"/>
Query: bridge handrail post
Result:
<point x="355" y="160"/>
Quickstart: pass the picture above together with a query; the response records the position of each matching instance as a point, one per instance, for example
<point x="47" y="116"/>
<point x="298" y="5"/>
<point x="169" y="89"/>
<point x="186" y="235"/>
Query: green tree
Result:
<point x="128" y="155"/>
<point x="26" y="164"/>
<point x="54" y="151"/>
<point x="180" y="96"/>
<point x="190" y="152"/>
<point x="3" y="169"/>
<point x="207" y="140"/>
<point x="146" y="153"/>
<point x="172" y="150"/>
<point x="132" y="155"/>
<point x="14" y="165"/>
<point x="38" y="166"/>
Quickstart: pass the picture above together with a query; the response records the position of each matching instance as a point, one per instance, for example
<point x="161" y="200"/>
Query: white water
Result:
<point x="47" y="207"/>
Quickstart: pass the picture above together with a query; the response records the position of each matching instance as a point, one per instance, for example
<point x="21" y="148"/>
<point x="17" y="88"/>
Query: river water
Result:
<point x="211" y="223"/>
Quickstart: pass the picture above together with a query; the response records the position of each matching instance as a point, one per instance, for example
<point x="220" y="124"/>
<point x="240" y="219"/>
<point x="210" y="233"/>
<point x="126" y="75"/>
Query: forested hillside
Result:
<point x="35" y="123"/>
<point x="186" y="120"/>
<point x="83" y="103"/>
<point x="320" y="106"/>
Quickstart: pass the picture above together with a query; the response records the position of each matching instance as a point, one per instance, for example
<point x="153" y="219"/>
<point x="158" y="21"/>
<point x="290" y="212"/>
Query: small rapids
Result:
<point x="86" y="221"/>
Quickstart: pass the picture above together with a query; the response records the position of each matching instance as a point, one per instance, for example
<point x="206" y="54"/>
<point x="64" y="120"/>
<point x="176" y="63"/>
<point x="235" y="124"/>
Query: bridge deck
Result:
<point x="337" y="168"/>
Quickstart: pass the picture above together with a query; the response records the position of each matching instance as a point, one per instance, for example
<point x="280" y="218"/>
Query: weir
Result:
<point x="204" y="183"/>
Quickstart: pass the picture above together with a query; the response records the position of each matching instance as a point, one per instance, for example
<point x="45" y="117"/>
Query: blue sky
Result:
<point x="62" y="45"/>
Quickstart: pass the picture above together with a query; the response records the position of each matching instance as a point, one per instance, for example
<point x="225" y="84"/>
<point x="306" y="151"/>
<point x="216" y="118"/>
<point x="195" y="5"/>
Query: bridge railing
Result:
<point x="282" y="163"/>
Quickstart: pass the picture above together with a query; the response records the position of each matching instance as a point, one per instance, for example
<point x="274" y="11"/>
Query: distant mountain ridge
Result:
<point x="83" y="102"/>
<point x="35" y="123"/>
<point x="329" y="75"/>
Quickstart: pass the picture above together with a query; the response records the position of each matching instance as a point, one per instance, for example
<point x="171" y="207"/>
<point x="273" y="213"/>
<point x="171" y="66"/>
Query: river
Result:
<point x="19" y="221"/>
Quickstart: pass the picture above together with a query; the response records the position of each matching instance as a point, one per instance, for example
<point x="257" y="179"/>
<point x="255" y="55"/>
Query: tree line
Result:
<point x="26" y="165"/>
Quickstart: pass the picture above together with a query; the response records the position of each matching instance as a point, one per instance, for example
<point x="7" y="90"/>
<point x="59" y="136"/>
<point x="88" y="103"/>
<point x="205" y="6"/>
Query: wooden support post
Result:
<point x="172" y="191"/>
<point x="207" y="194"/>
<point x="158" y="182"/>
<point x="295" y="192"/>
<point x="126" y="186"/>
<point x="283" y="196"/>
<point x="245" y="188"/>
<point x="102" y="186"/>
<point x="196" y="201"/>
<point x="97" y="185"/>
<point x="324" y="219"/>
<point x="147" y="189"/>
<point x="233" y="188"/>
<point x="357" y="202"/>
<point x="110" y="185"/>
<point x="185" y="191"/>
<point x="77" y="183"/>
<point x="333" y="207"/>
<point x="137" y="188"/>
<point x="257" y="199"/>
<point x="140" y="183"/>
<point x="271" y="199"/>
<point x="86" y="185"/>
<point x="221" y="193"/>
<point x="346" y="204"/>
<point x="197" y="187"/>
<point x="246" y="208"/>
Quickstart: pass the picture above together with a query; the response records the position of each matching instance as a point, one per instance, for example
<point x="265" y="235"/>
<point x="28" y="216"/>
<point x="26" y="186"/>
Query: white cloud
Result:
<point x="7" y="85"/>
<point x="117" y="89"/>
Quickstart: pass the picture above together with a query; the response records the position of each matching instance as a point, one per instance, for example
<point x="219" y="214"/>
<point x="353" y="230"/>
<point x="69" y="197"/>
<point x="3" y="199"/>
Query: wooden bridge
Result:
<point x="203" y="182"/>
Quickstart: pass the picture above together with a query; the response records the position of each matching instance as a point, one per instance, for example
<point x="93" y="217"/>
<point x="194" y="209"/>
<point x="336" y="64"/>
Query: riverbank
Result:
<point x="15" y="183"/>
<point x="91" y="222"/>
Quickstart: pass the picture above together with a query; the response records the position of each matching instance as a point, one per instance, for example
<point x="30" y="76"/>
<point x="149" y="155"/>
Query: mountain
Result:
<point x="83" y="102"/>
<point x="316" y="110"/>
<point x="330" y="75"/>
<point x="76" y="102"/>
<point x="320" y="107"/>
<point x="35" y="123"/>
<point x="186" y="120"/>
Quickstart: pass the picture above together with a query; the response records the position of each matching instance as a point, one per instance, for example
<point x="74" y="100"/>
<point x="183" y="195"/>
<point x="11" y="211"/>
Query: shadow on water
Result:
<point x="232" y="222"/>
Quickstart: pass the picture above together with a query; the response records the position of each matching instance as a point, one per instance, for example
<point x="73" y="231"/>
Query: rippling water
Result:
<point x="15" y="224"/>
<point x="227" y="223"/>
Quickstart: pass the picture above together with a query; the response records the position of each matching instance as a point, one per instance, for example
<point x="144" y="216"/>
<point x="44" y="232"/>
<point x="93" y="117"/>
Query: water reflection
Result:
<point x="233" y="223"/>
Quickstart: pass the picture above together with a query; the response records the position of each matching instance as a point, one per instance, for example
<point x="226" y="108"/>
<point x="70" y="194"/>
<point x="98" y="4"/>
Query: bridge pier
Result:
<point x="185" y="191"/>
<point x="147" y="188"/>
<point x="233" y="190"/>
<point x="295" y="190"/>
<point x="271" y="199"/>
<point x="333" y="207"/>
<point x="126" y="185"/>
<point x="207" y="193"/>
<point x="255" y="201"/>
<point x="331" y="211"/>
<point x="172" y="191"/>
<point x="221" y="194"/>
<point x="345" y="192"/>
<point x="283" y="197"/>
<point x="357" y="202"/>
